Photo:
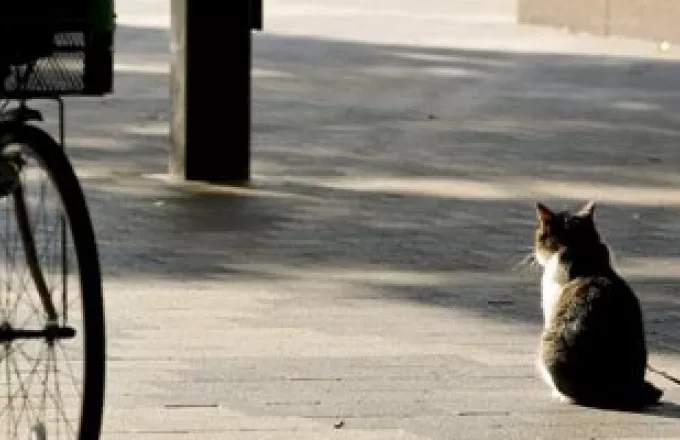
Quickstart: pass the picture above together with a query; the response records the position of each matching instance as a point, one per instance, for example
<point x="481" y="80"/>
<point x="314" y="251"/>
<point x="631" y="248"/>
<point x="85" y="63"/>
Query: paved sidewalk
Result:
<point x="363" y="288"/>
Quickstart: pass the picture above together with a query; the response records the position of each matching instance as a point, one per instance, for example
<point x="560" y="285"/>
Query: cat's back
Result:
<point x="594" y="346"/>
<point x="597" y="311"/>
<point x="602" y="295"/>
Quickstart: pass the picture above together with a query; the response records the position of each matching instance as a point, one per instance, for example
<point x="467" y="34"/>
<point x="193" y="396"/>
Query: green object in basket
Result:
<point x="101" y="15"/>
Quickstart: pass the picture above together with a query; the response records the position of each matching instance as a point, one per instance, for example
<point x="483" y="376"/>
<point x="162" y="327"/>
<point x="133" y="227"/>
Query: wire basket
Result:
<point x="61" y="51"/>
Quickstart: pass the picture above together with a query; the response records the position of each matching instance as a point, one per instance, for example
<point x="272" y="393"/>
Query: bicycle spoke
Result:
<point x="24" y="386"/>
<point x="10" y="398"/>
<point x="23" y="390"/>
<point x="58" y="401"/>
<point x="74" y="379"/>
<point x="10" y="253"/>
<point x="35" y="309"/>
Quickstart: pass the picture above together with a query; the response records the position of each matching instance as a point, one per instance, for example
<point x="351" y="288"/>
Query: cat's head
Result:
<point x="559" y="230"/>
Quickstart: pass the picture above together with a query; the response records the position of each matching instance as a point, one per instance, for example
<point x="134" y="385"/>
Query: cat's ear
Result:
<point x="543" y="213"/>
<point x="588" y="209"/>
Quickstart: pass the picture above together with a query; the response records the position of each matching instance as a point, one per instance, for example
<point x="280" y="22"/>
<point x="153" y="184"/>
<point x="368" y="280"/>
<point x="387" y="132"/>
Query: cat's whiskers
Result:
<point x="527" y="263"/>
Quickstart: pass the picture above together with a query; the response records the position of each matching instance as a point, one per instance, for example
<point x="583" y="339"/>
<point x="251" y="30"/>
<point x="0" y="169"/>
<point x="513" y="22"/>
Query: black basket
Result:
<point x="53" y="54"/>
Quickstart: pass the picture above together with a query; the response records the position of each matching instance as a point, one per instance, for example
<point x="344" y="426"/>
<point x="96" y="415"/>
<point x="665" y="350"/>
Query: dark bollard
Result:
<point x="210" y="92"/>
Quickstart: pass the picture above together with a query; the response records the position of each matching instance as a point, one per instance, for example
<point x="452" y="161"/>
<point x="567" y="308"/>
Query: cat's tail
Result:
<point x="663" y="374"/>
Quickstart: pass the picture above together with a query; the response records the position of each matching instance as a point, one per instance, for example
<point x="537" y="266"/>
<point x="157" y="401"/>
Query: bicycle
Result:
<point x="51" y="298"/>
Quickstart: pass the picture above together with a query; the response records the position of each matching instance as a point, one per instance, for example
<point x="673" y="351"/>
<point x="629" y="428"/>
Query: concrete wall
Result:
<point x="646" y="19"/>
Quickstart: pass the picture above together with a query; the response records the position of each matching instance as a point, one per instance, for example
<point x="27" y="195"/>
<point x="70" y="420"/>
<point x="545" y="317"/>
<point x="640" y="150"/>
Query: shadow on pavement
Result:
<point x="666" y="410"/>
<point x="410" y="171"/>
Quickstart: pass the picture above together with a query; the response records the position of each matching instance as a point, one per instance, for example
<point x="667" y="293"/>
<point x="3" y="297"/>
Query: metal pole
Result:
<point x="210" y="91"/>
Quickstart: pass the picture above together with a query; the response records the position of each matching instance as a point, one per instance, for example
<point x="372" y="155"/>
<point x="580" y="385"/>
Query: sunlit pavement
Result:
<point x="366" y="286"/>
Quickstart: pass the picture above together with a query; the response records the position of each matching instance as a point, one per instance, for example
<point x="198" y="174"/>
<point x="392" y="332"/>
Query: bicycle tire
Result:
<point x="62" y="175"/>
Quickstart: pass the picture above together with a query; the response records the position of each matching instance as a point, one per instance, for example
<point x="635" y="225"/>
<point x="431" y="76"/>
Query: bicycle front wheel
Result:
<point x="52" y="334"/>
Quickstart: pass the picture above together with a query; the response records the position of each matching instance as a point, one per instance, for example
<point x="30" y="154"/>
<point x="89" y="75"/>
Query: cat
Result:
<point x="592" y="350"/>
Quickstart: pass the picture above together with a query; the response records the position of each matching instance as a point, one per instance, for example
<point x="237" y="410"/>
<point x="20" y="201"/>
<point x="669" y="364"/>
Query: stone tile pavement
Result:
<point x="364" y="286"/>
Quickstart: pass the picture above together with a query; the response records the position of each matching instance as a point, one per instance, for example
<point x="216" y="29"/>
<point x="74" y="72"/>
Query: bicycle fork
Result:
<point x="31" y="253"/>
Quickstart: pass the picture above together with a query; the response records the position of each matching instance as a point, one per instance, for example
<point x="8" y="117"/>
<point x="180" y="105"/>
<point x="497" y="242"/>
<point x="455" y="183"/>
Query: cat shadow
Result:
<point x="665" y="409"/>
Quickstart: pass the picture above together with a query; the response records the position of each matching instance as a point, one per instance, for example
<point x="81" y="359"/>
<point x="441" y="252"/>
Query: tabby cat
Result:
<point x="592" y="350"/>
